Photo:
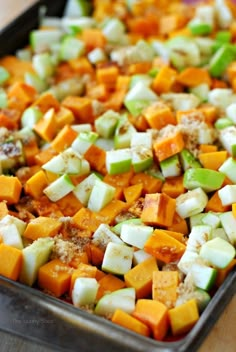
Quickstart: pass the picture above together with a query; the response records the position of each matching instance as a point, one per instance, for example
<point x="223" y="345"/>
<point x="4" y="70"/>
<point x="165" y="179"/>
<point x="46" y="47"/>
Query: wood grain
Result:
<point x="223" y="335"/>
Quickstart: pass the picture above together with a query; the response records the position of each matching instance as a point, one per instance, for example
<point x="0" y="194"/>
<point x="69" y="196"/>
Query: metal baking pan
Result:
<point x="31" y="314"/>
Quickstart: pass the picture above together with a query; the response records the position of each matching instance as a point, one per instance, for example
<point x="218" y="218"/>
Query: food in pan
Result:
<point x="118" y="146"/>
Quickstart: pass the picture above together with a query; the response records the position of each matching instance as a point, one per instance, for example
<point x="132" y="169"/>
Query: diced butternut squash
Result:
<point x="133" y="193"/>
<point x="36" y="184"/>
<point x="109" y="283"/>
<point x="164" y="247"/>
<point x="10" y="261"/>
<point x="167" y="146"/>
<point x="81" y="108"/>
<point x="154" y="314"/>
<point x="164" y="287"/>
<point x="158" y="209"/>
<point x="64" y="138"/>
<point x="150" y="183"/>
<point x="54" y="277"/>
<point x="42" y="227"/>
<point x="159" y="115"/>
<point x="127" y="321"/>
<point x="46" y="127"/>
<point x="164" y="80"/>
<point x="173" y="186"/>
<point x="47" y="101"/>
<point x="193" y="76"/>
<point x="10" y="189"/>
<point x="183" y="317"/>
<point x="213" y="160"/>
<point x="140" y="277"/>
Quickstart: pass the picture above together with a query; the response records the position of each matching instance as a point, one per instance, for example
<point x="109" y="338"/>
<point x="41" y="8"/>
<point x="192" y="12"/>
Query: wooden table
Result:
<point x="222" y="336"/>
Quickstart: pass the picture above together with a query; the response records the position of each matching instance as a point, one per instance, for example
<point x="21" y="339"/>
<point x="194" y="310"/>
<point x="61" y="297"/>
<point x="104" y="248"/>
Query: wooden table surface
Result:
<point x="222" y="336"/>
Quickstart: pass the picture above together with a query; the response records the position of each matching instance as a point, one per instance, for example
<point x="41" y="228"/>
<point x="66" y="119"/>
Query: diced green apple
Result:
<point x="102" y="194"/>
<point x="181" y="101"/>
<point x="77" y="8"/>
<point x="227" y="194"/>
<point x="84" y="291"/>
<point x="67" y="162"/>
<point x="203" y="276"/>
<point x="228" y="222"/>
<point x="209" y="180"/>
<point x="187" y="260"/>
<point x="43" y="65"/>
<point x="140" y="91"/>
<point x="59" y="188"/>
<point x="117" y="258"/>
<point x="34" y="256"/>
<point x="202" y="297"/>
<point x="11" y="236"/>
<point x="103" y="235"/>
<point x="113" y="30"/>
<point x="171" y="166"/>
<point x="83" y="189"/>
<point x="218" y="252"/>
<point x="211" y="219"/>
<point x="117" y="228"/>
<point x="191" y="203"/>
<point x="4" y="75"/>
<point x="135" y="235"/>
<point x="229" y="169"/>
<point x="84" y="140"/>
<point x="105" y="124"/>
<point x="71" y="48"/>
<point x="123" y="299"/>
<point x="140" y="256"/>
<point x="10" y="219"/>
<point x="142" y="158"/>
<point x="41" y="41"/>
<point x="123" y="133"/>
<point x="141" y="139"/>
<point x="199" y="235"/>
<point x="118" y="161"/>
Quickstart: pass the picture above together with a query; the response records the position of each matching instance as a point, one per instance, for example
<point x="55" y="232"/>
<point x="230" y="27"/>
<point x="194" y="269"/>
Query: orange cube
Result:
<point x="10" y="261"/>
<point x="10" y="189"/>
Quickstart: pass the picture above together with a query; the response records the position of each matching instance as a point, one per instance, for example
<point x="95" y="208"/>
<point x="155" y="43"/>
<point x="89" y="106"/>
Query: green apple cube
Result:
<point x="103" y="235"/>
<point x="183" y="52"/>
<point x="227" y="194"/>
<point x="102" y="194"/>
<point x="123" y="133"/>
<point x="140" y="91"/>
<point x="135" y="107"/>
<point x="222" y="123"/>
<point x="97" y="55"/>
<point x="219" y="232"/>
<point x="118" y="161"/>
<point x="123" y="299"/>
<point x="135" y="235"/>
<point x="42" y="41"/>
<point x="221" y="59"/>
<point x="218" y="252"/>
<point x="3" y="99"/>
<point x="83" y="127"/>
<point x="30" y="117"/>
<point x="84" y="168"/>
<point x="117" y="258"/>
<point x="84" y="140"/>
<point x="144" y="78"/>
<point x="221" y="97"/>
<point x="211" y="219"/>
<point x="228" y="222"/>
<point x="198" y="236"/>
<point x="105" y="143"/>
<point x="228" y="168"/>
<point x="83" y="189"/>
<point x="231" y="112"/>
<point x="187" y="260"/>
<point x="70" y="86"/>
<point x="35" y="81"/>
<point x="142" y="158"/>
<point x="197" y="27"/>
<point x="59" y="188"/>
<point x="141" y="139"/>
<point x="4" y="75"/>
<point x="209" y="180"/>
<point x="203" y="276"/>
<point x="105" y="124"/>
<point x="117" y="228"/>
<point x="11" y="236"/>
<point x="77" y="8"/>
<point x="113" y="30"/>
<point x="67" y="162"/>
<point x="190" y="203"/>
<point x="196" y="220"/>
<point x="43" y="65"/>
<point x="201" y="91"/>
<point x="140" y="256"/>
<point x="227" y="138"/>
<point x="71" y="48"/>
<point x="34" y="256"/>
<point x="84" y="291"/>
<point x="171" y="166"/>
<point x="181" y="101"/>
<point x="10" y="219"/>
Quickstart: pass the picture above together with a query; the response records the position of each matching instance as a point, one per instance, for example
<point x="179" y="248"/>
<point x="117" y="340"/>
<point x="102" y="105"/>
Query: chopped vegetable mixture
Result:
<point x="118" y="160"/>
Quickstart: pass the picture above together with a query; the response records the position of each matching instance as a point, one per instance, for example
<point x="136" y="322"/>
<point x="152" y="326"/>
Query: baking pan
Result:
<point x="31" y="314"/>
